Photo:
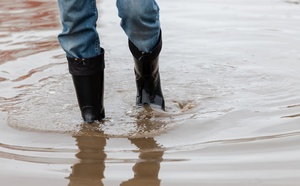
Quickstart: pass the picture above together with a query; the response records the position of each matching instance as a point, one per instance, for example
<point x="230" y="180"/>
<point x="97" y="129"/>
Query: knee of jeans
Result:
<point x="135" y="9"/>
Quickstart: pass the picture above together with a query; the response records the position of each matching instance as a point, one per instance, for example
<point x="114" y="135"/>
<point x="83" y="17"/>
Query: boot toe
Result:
<point x="88" y="114"/>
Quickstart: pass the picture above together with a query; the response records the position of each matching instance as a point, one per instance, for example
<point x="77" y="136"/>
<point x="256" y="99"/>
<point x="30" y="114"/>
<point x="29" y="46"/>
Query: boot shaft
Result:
<point x="146" y="68"/>
<point x="88" y="79"/>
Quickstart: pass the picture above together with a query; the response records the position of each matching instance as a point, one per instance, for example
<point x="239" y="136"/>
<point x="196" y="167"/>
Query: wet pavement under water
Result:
<point x="230" y="76"/>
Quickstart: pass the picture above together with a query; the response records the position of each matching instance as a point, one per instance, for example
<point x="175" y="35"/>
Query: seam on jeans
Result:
<point x="97" y="41"/>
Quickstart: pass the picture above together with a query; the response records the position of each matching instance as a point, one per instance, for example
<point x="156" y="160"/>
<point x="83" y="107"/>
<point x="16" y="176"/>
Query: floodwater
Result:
<point x="230" y="76"/>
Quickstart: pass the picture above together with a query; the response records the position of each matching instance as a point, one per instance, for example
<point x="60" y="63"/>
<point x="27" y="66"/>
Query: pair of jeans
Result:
<point x="79" y="37"/>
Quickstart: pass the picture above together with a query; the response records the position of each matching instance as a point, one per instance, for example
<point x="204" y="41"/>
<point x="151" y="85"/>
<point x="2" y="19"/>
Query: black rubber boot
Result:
<point x="147" y="76"/>
<point x="88" y="79"/>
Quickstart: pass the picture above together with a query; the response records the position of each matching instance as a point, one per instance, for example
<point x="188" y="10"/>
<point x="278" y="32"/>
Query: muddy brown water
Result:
<point x="230" y="76"/>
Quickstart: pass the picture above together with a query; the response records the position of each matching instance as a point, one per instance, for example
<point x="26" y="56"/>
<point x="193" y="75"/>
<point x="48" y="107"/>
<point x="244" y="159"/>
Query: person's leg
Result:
<point x="79" y="37"/>
<point x="140" y="21"/>
<point x="80" y="41"/>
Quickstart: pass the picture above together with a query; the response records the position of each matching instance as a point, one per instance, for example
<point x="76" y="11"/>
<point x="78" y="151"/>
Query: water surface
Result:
<point x="230" y="76"/>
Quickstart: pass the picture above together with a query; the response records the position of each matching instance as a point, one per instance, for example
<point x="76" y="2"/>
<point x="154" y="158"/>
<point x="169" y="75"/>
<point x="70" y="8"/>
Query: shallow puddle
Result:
<point x="230" y="77"/>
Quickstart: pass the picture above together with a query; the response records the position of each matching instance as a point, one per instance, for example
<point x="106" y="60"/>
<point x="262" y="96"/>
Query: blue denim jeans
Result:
<point x="79" y="37"/>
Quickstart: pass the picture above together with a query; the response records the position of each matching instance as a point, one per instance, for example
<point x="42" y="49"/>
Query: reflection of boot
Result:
<point x="90" y="170"/>
<point x="147" y="76"/>
<point x="88" y="79"/>
<point x="147" y="169"/>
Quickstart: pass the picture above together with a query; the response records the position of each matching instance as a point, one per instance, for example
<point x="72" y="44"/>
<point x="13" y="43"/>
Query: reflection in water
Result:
<point x="151" y="154"/>
<point x="26" y="27"/>
<point x="27" y="15"/>
<point x="147" y="169"/>
<point x="90" y="170"/>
